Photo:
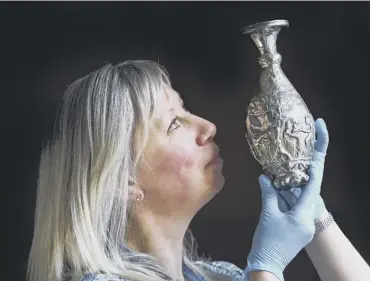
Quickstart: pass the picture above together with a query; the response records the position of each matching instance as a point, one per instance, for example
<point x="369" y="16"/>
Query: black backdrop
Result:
<point x="46" y="46"/>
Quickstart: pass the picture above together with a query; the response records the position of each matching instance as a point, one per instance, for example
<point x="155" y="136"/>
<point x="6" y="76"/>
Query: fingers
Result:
<point x="291" y="196"/>
<point x="322" y="141"/>
<point x="283" y="206"/>
<point x="269" y="195"/>
<point x="311" y="192"/>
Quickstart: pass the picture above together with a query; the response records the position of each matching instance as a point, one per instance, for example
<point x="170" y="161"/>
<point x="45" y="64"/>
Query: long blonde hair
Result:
<point x="82" y="197"/>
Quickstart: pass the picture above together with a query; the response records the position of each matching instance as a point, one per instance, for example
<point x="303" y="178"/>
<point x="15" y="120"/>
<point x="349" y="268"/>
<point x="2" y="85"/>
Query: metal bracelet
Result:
<point x="324" y="224"/>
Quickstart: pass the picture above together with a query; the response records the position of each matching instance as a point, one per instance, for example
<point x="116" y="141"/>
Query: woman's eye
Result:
<point x="173" y="125"/>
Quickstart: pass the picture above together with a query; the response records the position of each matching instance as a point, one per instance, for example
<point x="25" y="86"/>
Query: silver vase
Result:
<point x="279" y="127"/>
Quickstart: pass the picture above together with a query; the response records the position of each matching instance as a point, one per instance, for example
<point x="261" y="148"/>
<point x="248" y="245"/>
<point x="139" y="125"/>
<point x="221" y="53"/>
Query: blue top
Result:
<point x="218" y="267"/>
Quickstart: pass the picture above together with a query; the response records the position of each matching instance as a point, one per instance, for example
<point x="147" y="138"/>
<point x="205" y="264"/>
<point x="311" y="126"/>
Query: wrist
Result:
<point x="324" y="224"/>
<point x="263" y="267"/>
<point x="321" y="215"/>
<point x="262" y="276"/>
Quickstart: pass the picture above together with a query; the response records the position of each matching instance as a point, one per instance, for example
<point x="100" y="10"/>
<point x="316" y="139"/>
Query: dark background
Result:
<point x="46" y="46"/>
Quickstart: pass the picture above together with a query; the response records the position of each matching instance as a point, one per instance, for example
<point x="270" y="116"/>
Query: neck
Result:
<point x="162" y="238"/>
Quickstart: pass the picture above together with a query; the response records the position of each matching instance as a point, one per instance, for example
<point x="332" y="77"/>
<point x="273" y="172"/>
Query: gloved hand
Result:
<point x="281" y="235"/>
<point x="289" y="197"/>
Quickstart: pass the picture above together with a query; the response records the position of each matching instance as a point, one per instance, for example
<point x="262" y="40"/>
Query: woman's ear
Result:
<point x="135" y="193"/>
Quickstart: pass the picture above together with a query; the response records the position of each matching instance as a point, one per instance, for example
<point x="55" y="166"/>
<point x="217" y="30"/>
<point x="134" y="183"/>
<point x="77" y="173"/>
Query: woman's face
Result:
<point x="185" y="167"/>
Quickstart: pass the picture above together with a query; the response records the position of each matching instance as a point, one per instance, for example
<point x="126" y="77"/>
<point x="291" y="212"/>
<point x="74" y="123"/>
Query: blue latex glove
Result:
<point x="282" y="234"/>
<point x="290" y="197"/>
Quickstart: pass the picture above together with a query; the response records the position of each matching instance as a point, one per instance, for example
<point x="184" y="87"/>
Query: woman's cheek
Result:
<point x="180" y="161"/>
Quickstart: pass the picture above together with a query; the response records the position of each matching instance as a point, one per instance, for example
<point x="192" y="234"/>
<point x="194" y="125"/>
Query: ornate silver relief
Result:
<point x="279" y="127"/>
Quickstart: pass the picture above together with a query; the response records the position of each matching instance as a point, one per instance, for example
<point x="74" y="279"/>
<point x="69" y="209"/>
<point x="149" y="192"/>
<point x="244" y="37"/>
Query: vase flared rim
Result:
<point x="264" y="24"/>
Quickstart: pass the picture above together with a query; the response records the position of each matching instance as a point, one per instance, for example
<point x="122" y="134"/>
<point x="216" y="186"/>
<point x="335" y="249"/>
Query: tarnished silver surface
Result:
<point x="279" y="127"/>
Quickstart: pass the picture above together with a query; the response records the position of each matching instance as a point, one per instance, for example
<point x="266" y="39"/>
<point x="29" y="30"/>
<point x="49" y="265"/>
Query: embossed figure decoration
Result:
<point x="279" y="127"/>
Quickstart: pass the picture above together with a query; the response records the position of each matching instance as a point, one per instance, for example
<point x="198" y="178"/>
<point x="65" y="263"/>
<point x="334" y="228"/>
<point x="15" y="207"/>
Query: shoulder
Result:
<point x="100" y="277"/>
<point x="215" y="267"/>
<point x="224" y="268"/>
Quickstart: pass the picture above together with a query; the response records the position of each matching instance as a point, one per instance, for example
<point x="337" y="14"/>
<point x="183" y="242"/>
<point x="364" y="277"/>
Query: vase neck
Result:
<point x="268" y="59"/>
<point x="265" y="41"/>
<point x="264" y="35"/>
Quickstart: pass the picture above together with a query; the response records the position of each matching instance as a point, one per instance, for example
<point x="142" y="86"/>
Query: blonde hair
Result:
<point x="82" y="197"/>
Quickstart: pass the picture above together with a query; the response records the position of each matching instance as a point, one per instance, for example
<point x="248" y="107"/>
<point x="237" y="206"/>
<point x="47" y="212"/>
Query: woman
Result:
<point x="127" y="170"/>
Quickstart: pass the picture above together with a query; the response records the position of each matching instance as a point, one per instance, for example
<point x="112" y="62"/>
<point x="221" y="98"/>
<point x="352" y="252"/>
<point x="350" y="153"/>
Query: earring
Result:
<point x="138" y="197"/>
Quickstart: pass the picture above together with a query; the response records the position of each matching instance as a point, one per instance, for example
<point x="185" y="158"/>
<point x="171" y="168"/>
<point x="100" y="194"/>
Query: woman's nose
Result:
<point x="207" y="132"/>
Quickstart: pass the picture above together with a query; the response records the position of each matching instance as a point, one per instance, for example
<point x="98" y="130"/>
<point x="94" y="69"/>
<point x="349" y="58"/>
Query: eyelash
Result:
<point x="173" y="123"/>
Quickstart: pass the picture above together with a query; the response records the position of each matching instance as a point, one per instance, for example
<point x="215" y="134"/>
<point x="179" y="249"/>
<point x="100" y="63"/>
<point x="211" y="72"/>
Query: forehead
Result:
<point x="169" y="100"/>
<point x="172" y="97"/>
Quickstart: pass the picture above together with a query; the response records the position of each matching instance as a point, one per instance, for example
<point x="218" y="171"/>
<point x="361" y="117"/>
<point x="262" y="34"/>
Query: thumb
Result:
<point x="310" y="193"/>
<point x="269" y="195"/>
<point x="321" y="144"/>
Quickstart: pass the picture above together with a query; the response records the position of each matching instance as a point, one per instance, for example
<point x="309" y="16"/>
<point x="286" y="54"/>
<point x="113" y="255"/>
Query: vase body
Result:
<point x="279" y="127"/>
